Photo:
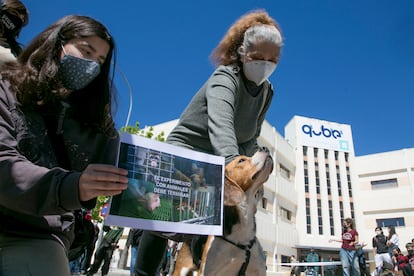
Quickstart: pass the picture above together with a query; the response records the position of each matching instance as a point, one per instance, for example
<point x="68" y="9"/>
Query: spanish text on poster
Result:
<point x="170" y="188"/>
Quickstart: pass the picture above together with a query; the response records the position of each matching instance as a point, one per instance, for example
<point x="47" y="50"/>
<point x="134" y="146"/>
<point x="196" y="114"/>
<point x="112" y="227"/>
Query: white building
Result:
<point x="324" y="180"/>
<point x="385" y="193"/>
<point x="276" y="220"/>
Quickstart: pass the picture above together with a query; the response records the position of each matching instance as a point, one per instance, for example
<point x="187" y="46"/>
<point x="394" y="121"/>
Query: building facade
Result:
<point x="325" y="183"/>
<point x="318" y="181"/>
<point x="386" y="194"/>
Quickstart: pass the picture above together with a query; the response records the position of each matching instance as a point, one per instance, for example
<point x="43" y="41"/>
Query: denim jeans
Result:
<point x="74" y="266"/>
<point x="349" y="262"/>
<point x="134" y="251"/>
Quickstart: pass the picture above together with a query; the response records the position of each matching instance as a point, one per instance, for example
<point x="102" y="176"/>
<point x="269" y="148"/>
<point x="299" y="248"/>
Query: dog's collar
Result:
<point x="246" y="248"/>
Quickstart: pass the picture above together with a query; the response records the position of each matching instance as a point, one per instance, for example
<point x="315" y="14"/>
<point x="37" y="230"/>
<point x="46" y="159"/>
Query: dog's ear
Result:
<point x="233" y="194"/>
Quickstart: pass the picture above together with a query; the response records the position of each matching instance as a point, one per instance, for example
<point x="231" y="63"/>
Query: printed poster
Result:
<point x="170" y="188"/>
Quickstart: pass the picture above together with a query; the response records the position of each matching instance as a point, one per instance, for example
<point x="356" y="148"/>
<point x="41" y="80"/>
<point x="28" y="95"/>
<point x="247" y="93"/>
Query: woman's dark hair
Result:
<point x="391" y="231"/>
<point x="351" y="223"/>
<point x="13" y="17"/>
<point x="35" y="79"/>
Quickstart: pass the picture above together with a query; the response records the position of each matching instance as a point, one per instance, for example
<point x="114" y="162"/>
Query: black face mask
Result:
<point x="411" y="252"/>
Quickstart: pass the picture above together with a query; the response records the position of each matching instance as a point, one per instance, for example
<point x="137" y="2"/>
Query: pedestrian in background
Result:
<point x="347" y="253"/>
<point x="393" y="241"/>
<point x="312" y="257"/>
<point x="103" y="254"/>
<point x="135" y="236"/>
<point x="90" y="248"/>
<point x="379" y="244"/>
<point x="13" y="17"/>
<point x="408" y="270"/>
<point x="294" y="269"/>
<point x="399" y="261"/>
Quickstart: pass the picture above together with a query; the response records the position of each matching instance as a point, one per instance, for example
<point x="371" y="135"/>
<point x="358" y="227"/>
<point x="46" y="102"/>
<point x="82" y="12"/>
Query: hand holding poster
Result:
<point x="170" y="188"/>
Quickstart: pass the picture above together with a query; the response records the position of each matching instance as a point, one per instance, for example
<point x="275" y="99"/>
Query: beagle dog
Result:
<point x="238" y="251"/>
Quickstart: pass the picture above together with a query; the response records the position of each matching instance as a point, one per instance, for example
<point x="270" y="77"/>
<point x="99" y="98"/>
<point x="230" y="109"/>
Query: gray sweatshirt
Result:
<point x="223" y="118"/>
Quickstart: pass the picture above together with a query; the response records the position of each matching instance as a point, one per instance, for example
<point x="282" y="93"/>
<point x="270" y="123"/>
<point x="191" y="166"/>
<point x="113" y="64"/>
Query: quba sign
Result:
<point x="323" y="134"/>
<point x="324" y="131"/>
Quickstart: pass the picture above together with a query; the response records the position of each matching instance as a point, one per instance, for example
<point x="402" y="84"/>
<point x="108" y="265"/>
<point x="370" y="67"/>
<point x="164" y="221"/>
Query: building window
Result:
<point x="285" y="259"/>
<point x="308" y="217"/>
<point x="284" y="171"/>
<point x="320" y="226"/>
<point x="305" y="151"/>
<point x="336" y="155"/>
<point x="384" y="183"/>
<point x="338" y="179"/>
<point x="331" y="218"/>
<point x="352" y="209"/>
<point x="317" y="183"/>
<point x="317" y="180"/>
<point x="391" y="221"/>
<point x="286" y="214"/>
<point x="306" y="176"/>
<point x="315" y="153"/>
<point x="348" y="177"/>
<point x="326" y="153"/>
<point x="264" y="203"/>
<point x="341" y="210"/>
<point x="328" y="179"/>
<point x="346" y="156"/>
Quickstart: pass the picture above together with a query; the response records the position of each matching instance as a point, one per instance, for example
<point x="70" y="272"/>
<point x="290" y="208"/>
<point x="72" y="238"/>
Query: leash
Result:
<point x="246" y="248"/>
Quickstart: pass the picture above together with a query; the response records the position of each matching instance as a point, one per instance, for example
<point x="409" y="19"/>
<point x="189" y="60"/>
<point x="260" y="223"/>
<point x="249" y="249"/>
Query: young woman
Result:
<point x="13" y="17"/>
<point x="58" y="143"/>
<point x="225" y="116"/>
<point x="347" y="254"/>
<point x="393" y="241"/>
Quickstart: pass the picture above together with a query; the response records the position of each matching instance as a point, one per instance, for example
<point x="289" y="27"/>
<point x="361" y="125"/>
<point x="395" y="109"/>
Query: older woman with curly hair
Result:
<point x="225" y="116"/>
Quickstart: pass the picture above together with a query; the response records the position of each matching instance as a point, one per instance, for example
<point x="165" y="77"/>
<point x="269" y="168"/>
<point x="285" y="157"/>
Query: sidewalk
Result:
<point x="117" y="272"/>
<point x="114" y="272"/>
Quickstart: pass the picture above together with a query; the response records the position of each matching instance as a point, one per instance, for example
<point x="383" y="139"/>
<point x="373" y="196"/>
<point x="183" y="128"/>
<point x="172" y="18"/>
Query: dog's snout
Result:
<point x="265" y="149"/>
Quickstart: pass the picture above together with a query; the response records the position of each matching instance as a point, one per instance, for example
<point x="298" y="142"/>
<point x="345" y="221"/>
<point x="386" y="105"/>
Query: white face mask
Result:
<point x="258" y="70"/>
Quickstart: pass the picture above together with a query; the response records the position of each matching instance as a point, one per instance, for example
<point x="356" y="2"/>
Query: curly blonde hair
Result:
<point x="226" y="51"/>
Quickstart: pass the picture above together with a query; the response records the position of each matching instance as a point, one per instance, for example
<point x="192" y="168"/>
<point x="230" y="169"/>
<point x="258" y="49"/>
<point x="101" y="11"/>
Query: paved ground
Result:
<point x="113" y="272"/>
<point x="116" y="272"/>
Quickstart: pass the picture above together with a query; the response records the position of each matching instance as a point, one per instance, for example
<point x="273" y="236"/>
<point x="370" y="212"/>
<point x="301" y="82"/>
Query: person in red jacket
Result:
<point x="408" y="270"/>
<point x="398" y="259"/>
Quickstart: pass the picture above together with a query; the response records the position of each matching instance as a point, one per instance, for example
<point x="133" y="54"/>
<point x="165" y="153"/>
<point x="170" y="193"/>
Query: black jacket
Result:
<point x="380" y="242"/>
<point x="37" y="196"/>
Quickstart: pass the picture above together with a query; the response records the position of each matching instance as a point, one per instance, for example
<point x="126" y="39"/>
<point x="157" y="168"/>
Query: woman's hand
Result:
<point x="102" y="180"/>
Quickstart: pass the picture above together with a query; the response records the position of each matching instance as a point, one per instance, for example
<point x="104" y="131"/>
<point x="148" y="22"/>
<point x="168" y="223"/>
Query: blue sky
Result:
<point x="349" y="62"/>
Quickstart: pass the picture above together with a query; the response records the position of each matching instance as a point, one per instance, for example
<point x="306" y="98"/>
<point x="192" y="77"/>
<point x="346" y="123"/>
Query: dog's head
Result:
<point x="246" y="175"/>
